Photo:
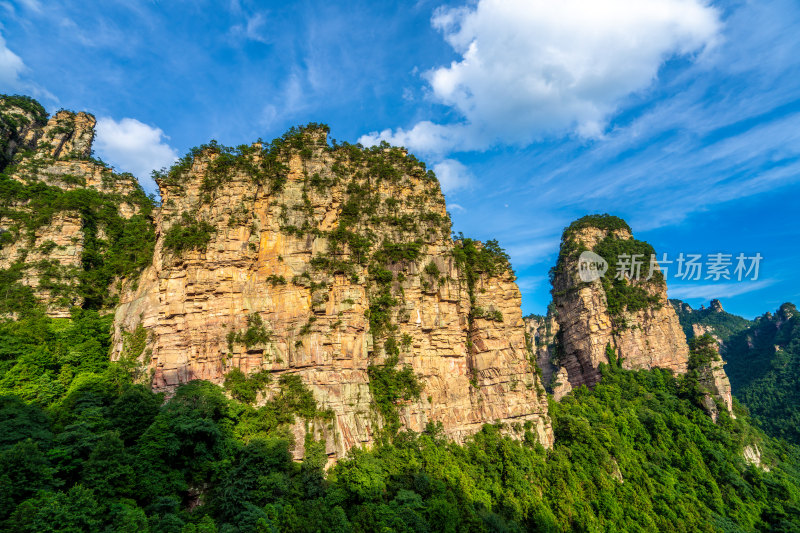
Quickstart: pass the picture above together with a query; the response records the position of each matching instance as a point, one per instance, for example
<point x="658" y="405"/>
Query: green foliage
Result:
<point x="265" y="164"/>
<point x="635" y="453"/>
<point x="763" y="364"/>
<point x="487" y="314"/>
<point x="622" y="294"/>
<point x="255" y="334"/>
<point x="188" y="234"/>
<point x="14" y="296"/>
<point x="604" y="222"/>
<point x="295" y="397"/>
<point x="246" y="388"/>
<point x="396" y="252"/>
<point x="702" y="351"/>
<point x="474" y="258"/>
<point x="613" y="360"/>
<point x="432" y="270"/>
<point x="41" y="357"/>
<point x="724" y="324"/>
<point x="390" y="387"/>
<point x="12" y="122"/>
<point x="125" y="248"/>
<point x="275" y="280"/>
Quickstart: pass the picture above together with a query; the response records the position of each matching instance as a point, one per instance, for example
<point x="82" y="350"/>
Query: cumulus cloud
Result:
<point x="132" y="146"/>
<point x="11" y="66"/>
<point x="452" y="175"/>
<point x="529" y="68"/>
<point x="12" y="74"/>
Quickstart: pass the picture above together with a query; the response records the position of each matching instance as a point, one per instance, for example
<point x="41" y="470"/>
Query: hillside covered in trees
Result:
<point x="100" y="453"/>
<point x="762" y="361"/>
<point x="88" y="442"/>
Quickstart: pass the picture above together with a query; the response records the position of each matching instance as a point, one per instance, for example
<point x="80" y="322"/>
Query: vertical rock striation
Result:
<point x="630" y="316"/>
<point x="62" y="212"/>
<point x="344" y="255"/>
<point x="712" y="377"/>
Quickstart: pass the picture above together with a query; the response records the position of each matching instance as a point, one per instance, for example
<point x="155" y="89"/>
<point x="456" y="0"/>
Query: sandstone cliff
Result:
<point x="63" y="213"/>
<point x="340" y="262"/>
<point x="624" y="316"/>
<point x="712" y="377"/>
<point x="542" y="334"/>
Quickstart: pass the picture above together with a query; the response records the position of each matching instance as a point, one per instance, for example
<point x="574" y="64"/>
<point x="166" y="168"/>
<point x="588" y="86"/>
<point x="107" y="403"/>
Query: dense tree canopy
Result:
<point x="85" y="449"/>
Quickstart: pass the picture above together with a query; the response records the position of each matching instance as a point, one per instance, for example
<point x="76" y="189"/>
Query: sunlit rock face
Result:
<point x="633" y="318"/>
<point x="46" y="248"/>
<point x="345" y="256"/>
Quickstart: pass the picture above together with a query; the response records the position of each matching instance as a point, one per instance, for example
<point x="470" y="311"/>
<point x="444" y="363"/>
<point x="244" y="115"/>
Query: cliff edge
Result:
<point x="334" y="264"/>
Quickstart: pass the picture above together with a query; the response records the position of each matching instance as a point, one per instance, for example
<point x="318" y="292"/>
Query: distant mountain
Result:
<point x="763" y="360"/>
<point x="713" y="317"/>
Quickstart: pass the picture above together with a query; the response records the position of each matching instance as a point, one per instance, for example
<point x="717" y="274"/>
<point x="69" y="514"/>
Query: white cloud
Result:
<point x="530" y="283"/>
<point x="452" y="175"/>
<point x="12" y="75"/>
<point x="11" y="67"/>
<point x="253" y="29"/>
<point x="529" y="68"/>
<point x="33" y="5"/>
<point x="709" y="291"/>
<point x="534" y="250"/>
<point x="132" y="146"/>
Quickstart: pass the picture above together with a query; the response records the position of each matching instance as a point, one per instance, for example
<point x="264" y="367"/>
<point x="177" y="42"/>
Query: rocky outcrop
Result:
<point x="345" y="257"/>
<point x="712" y="377"/>
<point x="698" y="330"/>
<point x="621" y="311"/>
<point x="46" y="220"/>
<point x="752" y="455"/>
<point x="20" y="119"/>
<point x="541" y="334"/>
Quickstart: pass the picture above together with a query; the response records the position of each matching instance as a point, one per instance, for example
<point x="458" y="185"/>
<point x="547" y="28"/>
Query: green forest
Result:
<point x="85" y="449"/>
<point x="87" y="446"/>
<point x="762" y="362"/>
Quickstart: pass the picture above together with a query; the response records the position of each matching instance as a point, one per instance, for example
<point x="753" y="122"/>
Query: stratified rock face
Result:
<point x="20" y="119"/>
<point x="541" y="333"/>
<point x="698" y="330"/>
<point x="630" y="316"/>
<point x="46" y="220"/>
<point x="346" y="256"/>
<point x="714" y="379"/>
<point x="707" y="362"/>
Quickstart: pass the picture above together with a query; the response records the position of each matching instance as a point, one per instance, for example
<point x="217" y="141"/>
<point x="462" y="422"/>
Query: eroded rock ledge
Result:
<point x="345" y="256"/>
<point x="627" y="319"/>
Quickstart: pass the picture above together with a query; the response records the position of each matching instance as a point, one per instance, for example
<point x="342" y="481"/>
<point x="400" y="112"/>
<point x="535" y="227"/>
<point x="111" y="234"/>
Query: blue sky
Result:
<point x="681" y="116"/>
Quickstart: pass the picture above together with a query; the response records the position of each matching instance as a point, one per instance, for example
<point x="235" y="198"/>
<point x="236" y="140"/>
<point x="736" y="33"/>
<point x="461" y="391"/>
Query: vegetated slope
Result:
<point x="764" y="368"/>
<point x="762" y="361"/>
<point x="335" y="263"/>
<point x="637" y="452"/>
<point x="72" y="231"/>
<point x="713" y="319"/>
